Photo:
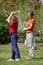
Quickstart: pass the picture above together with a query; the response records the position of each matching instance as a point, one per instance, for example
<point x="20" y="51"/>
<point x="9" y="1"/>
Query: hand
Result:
<point x="23" y="29"/>
<point x="12" y="12"/>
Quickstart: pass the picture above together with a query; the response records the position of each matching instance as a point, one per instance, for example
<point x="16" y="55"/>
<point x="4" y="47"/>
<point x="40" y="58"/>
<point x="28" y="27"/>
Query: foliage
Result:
<point x="6" y="6"/>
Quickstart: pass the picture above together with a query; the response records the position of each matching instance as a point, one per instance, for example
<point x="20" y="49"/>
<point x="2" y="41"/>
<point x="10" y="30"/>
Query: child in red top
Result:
<point x="30" y="34"/>
<point x="13" y="27"/>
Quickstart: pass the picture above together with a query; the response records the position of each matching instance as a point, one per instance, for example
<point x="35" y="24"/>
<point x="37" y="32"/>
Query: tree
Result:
<point x="36" y="3"/>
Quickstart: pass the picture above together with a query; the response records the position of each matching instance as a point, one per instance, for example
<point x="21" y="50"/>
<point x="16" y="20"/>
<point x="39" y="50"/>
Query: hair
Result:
<point x="15" y="17"/>
<point x="31" y="12"/>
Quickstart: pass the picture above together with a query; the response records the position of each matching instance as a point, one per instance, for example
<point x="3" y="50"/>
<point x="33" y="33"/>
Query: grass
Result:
<point x="5" y="53"/>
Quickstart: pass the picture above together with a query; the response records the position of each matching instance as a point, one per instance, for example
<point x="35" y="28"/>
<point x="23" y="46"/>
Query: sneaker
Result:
<point x="10" y="60"/>
<point x="31" y="58"/>
<point x="17" y="60"/>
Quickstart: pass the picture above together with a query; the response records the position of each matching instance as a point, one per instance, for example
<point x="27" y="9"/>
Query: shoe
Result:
<point x="31" y="58"/>
<point x="10" y="60"/>
<point x="17" y="60"/>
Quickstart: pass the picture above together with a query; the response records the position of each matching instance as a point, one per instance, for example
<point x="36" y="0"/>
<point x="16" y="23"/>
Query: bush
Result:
<point x="4" y="35"/>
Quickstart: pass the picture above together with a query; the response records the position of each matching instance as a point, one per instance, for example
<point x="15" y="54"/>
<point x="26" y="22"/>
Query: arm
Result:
<point x="8" y="19"/>
<point x="32" y="23"/>
<point x="28" y="27"/>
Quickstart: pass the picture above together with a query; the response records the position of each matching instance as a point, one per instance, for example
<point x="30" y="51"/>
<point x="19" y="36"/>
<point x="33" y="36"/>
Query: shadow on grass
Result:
<point x="35" y="59"/>
<point x="24" y="59"/>
<point x="40" y="58"/>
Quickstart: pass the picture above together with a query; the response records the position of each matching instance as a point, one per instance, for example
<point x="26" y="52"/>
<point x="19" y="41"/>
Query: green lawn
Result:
<point x="5" y="53"/>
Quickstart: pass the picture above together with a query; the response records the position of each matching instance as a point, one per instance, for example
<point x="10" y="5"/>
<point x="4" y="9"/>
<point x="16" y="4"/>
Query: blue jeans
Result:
<point x="15" y="50"/>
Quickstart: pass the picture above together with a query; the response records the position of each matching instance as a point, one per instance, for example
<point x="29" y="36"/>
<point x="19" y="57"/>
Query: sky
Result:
<point x="42" y="1"/>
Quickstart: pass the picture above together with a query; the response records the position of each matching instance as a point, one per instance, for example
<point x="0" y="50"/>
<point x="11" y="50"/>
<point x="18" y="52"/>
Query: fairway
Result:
<point x="5" y="53"/>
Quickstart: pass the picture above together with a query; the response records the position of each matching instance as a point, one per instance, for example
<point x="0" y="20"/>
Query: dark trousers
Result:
<point x="15" y="50"/>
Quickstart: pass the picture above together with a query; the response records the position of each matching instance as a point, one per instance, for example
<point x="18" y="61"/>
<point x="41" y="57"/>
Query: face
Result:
<point x="29" y="14"/>
<point x="13" y="17"/>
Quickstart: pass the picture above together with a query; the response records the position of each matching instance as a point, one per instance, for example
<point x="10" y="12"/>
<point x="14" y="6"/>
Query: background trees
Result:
<point x="6" y="6"/>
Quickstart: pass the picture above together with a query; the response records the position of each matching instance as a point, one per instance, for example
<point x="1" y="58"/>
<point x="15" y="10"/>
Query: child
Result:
<point x="13" y="27"/>
<point x="30" y="34"/>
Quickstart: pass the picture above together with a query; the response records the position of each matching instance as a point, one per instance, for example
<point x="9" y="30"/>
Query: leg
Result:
<point x="13" y="55"/>
<point x="30" y="40"/>
<point x="13" y="52"/>
<point x="31" y="52"/>
<point x="15" y="46"/>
